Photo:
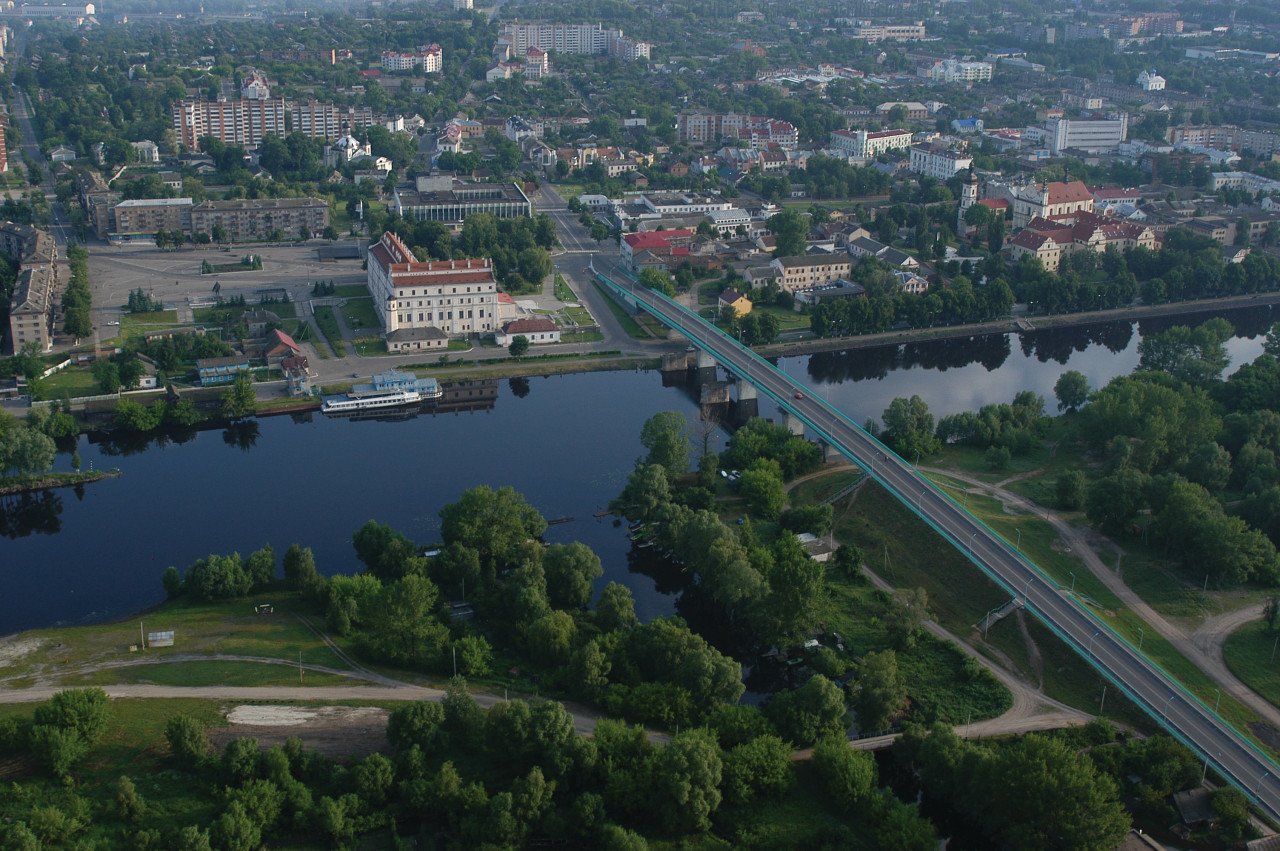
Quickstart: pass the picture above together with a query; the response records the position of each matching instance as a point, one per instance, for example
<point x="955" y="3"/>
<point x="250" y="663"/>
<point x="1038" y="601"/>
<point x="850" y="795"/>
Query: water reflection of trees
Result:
<point x="989" y="350"/>
<point x="32" y="513"/>
<point x="1249" y="322"/>
<point x="519" y="386"/>
<point x="125" y="443"/>
<point x="243" y="435"/>
<point x="1059" y="344"/>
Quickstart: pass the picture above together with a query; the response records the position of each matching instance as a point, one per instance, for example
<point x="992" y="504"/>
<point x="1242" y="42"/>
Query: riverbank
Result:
<point x="1016" y="325"/>
<point x="46" y="481"/>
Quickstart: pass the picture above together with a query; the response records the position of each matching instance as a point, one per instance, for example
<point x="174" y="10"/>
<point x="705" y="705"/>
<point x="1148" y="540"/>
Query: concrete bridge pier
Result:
<point x="675" y="361"/>
<point x="706" y="360"/>
<point x="793" y="424"/>
<point x="829" y="452"/>
<point x="714" y="393"/>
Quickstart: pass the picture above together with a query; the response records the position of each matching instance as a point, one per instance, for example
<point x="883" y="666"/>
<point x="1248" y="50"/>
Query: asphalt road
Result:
<point x="1156" y="692"/>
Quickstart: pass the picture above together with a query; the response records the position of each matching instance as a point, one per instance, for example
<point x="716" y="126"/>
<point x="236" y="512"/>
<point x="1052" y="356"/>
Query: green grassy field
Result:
<point x="370" y="346"/>
<point x="1250" y="653"/>
<point x="582" y="337"/>
<point x="351" y="291"/>
<point x="562" y="290"/>
<point x="214" y="673"/>
<point x="70" y="382"/>
<point x="579" y="315"/>
<point x="821" y="487"/>
<point x="625" y="317"/>
<point x="201" y="628"/>
<point x="225" y="314"/>
<point x="359" y="314"/>
<point x="328" y="323"/>
<point x="137" y="324"/>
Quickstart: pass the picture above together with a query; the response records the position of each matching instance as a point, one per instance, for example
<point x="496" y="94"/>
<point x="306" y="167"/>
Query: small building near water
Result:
<point x="536" y="330"/>
<point x="214" y="371"/>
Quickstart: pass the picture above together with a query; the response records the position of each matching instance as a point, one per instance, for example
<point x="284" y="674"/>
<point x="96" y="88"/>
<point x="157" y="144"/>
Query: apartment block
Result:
<point x="762" y="132"/>
<point x="807" y="271"/>
<point x="866" y="145"/>
<point x="957" y="71"/>
<point x="1226" y="137"/>
<point x="152" y="215"/>
<point x="34" y="304"/>
<point x="583" y="39"/>
<point x="940" y="164"/>
<point x="428" y="57"/>
<point x="244" y="122"/>
<point x="867" y="31"/>
<point x="249" y="220"/>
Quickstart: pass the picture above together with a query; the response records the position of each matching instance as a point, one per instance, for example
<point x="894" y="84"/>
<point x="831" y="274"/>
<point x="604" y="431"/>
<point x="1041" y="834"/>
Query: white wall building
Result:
<point x="938" y="164"/>
<point x="864" y="145"/>
<point x="428" y="57"/>
<point x="1085" y="134"/>
<point x="728" y="221"/>
<point x="1150" y="81"/>
<point x="957" y="71"/>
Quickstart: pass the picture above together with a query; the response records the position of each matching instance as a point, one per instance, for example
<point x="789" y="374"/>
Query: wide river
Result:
<point x="566" y="442"/>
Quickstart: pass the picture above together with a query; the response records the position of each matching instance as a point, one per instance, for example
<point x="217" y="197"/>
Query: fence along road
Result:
<point x="1145" y="683"/>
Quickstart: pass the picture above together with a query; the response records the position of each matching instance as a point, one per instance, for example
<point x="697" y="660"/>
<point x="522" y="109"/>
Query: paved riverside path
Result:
<point x="1160" y="695"/>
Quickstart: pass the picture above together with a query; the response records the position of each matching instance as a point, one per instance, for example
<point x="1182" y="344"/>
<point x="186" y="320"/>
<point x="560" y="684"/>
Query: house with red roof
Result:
<point x="537" y="330"/>
<point x="1052" y="240"/>
<point x="279" y="346"/>
<point x="660" y="243"/>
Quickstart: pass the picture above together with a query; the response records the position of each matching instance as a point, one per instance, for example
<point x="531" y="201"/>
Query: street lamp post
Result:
<point x="1073" y="583"/>
<point x="1140" y="637"/>
<point x="1091" y="638"/>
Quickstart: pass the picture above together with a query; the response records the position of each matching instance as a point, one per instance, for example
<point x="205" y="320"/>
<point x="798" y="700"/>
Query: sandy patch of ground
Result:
<point x="14" y="649"/>
<point x="336" y="731"/>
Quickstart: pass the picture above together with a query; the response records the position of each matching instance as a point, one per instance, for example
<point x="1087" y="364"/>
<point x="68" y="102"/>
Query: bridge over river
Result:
<point x="1165" y="699"/>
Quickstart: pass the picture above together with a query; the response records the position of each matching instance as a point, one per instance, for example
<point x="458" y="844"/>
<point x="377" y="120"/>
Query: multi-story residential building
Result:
<point x="1059" y="134"/>
<point x="1243" y="180"/>
<point x="152" y="215"/>
<point x="957" y="71"/>
<point x="321" y="120"/>
<point x="866" y="145"/>
<point x="444" y="199"/>
<point x="762" y="132"/>
<point x="1226" y="137"/>
<point x="913" y="109"/>
<point x="421" y="304"/>
<point x="244" y="122"/>
<point x="146" y="151"/>
<point x="34" y="303"/>
<point x="810" y="270"/>
<point x="462" y="5"/>
<point x="428" y="57"/>
<point x="867" y="31"/>
<point x="1048" y="201"/>
<point x="97" y="200"/>
<point x="938" y="163"/>
<point x="584" y="39"/>
<point x="662" y="244"/>
<point x="248" y="220"/>
<point x="1150" y="81"/>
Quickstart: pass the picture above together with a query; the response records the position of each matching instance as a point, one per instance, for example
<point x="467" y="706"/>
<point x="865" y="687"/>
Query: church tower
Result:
<point x="968" y="197"/>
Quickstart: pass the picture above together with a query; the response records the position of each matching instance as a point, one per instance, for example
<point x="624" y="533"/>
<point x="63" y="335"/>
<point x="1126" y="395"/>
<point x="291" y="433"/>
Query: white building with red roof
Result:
<point x="537" y="330"/>
<point x="422" y="304"/>
<point x="867" y="145"/>
<point x="1053" y="239"/>
<point x="1049" y="200"/>
<point x="660" y="243"/>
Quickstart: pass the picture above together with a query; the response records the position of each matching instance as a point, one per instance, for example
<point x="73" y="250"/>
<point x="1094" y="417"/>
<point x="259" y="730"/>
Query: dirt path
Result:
<point x="827" y="469"/>
<point x="1211" y="635"/>
<point x="1081" y="543"/>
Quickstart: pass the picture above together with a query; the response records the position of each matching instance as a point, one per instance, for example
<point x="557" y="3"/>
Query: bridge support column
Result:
<point x="793" y="424"/>
<point x="747" y="391"/>
<point x="706" y="360"/>
<point x="828" y="451"/>
<point x="675" y="361"/>
<point x="714" y="393"/>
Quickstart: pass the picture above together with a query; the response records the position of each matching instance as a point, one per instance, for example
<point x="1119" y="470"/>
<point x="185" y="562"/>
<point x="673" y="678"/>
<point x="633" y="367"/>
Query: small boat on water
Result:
<point x="390" y="389"/>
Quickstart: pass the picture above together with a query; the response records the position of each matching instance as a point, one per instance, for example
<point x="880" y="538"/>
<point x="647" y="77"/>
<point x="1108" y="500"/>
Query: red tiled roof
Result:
<point x="655" y="239"/>
<point x="505" y="298"/>
<point x="282" y="337"/>
<point x="1067" y="193"/>
<point x="1031" y="240"/>
<point x="530" y="326"/>
<point x="995" y="203"/>
<point x="1114" y="193"/>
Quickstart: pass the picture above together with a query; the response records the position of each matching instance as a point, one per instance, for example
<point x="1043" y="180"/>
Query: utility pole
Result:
<point x="142" y="637"/>
<point x="299" y="667"/>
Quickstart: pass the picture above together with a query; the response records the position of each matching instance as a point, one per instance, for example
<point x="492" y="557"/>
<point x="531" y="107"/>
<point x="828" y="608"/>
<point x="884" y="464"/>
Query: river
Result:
<point x="567" y="442"/>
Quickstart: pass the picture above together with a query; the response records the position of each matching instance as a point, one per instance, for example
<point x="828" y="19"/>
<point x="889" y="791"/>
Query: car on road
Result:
<point x="114" y="322"/>
<point x="799" y="395"/>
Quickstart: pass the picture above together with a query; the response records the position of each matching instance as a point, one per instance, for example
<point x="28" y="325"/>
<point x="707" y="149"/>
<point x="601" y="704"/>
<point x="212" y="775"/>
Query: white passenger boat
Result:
<point x="350" y="404"/>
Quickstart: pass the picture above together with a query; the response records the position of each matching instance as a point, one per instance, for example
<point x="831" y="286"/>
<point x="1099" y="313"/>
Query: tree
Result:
<point x="761" y="766"/>
<point x="646" y="491"/>
<point x="25" y="451"/>
<point x="762" y="487"/>
<point x="497" y="524"/>
<point x="1072" y="490"/>
<point x="107" y="374"/>
<point x="686" y="777"/>
<point x="188" y="742"/>
<point x="386" y="553"/>
<point x="235" y="831"/>
<point x="551" y="638"/>
<point x="519" y="346"/>
<point x="571" y="569"/>
<point x="239" y="400"/>
<point x="475" y="656"/>
<point x="129" y="804"/>
<point x="909" y="427"/>
<point x="656" y="279"/>
<point x="848" y="775"/>
<point x="789" y="229"/>
<point x="218" y="233"/>
<point x="172" y="581"/>
<point x="666" y="436"/>
<point x="616" y="609"/>
<point x="1072" y="390"/>
<point x="879" y="693"/>
<point x="808" y="713"/>
<point x="402" y="627"/>
<point x="300" y="567"/>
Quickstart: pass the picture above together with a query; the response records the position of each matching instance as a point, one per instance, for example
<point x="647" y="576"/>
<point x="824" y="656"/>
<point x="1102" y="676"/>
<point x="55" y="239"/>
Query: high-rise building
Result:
<point x="244" y="122"/>
<point x="428" y="57"/>
<point x="584" y="39"/>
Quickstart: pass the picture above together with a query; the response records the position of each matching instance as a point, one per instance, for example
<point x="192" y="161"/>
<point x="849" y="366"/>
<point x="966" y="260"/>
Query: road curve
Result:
<point x="1161" y="696"/>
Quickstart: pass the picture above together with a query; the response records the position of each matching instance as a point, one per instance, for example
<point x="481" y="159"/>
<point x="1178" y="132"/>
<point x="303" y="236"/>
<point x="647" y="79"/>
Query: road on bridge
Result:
<point x="1166" y="700"/>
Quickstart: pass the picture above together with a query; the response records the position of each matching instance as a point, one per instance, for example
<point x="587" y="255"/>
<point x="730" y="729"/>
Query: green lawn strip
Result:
<point x="212" y="673"/>
<point x="562" y="290"/>
<point x="360" y="314"/>
<point x="201" y="628"/>
<point x="328" y="323"/>
<point x="1250" y="653"/>
<point x="802" y="818"/>
<point x="460" y="346"/>
<point x="580" y="315"/>
<point x="1040" y="543"/>
<point x="70" y="382"/>
<point x="788" y="319"/>
<point x="824" y="486"/>
<point x="137" y="324"/>
<point x="225" y="314"/>
<point x="351" y="291"/>
<point x="582" y="337"/>
<point x="624" y="317"/>
<point x="370" y="346"/>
